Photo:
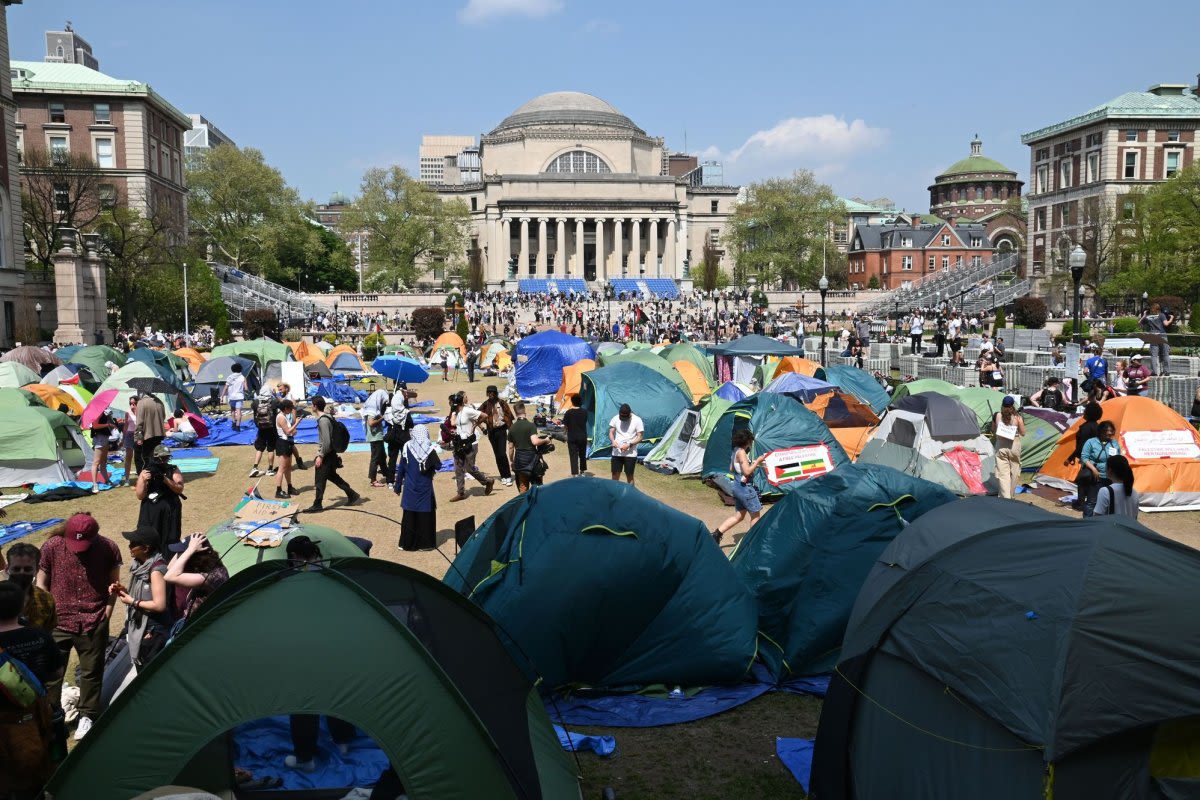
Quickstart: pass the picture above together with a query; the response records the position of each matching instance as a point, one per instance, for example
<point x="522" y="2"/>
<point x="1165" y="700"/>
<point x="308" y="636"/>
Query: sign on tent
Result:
<point x="797" y="463"/>
<point x="1142" y="445"/>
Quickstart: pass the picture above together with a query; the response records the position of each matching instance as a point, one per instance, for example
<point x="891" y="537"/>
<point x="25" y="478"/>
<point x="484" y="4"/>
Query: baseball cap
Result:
<point x="162" y="451"/>
<point x="143" y="534"/>
<point x="1008" y="400"/>
<point x="81" y="531"/>
<point x="1135" y="357"/>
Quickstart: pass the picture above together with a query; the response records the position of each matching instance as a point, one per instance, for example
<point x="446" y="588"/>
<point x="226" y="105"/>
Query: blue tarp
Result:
<point x="221" y="432"/>
<point x="116" y="475"/>
<point x="730" y="391"/>
<point x="191" y="452"/>
<point x="262" y="745"/>
<point x="859" y="383"/>
<point x="802" y="387"/>
<point x="540" y="360"/>
<point x="797" y="756"/>
<point x="600" y="745"/>
<point x="336" y="391"/>
<point x="15" y="530"/>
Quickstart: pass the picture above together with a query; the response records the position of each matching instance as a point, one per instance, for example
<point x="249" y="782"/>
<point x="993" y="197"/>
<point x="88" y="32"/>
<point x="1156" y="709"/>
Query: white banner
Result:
<point x="1151" y="445"/>
<point x="797" y="463"/>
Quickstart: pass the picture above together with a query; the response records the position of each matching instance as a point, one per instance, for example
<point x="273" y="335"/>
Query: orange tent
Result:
<point x="572" y="378"/>
<point x="194" y="358"/>
<point x="450" y="339"/>
<point x="305" y="352"/>
<point x="850" y="420"/>
<point x="55" y="398"/>
<point x="338" y="352"/>
<point x="1162" y="448"/>
<point x="696" y="383"/>
<point x="800" y="365"/>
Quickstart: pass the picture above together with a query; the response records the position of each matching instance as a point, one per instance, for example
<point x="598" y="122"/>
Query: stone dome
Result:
<point x="567" y="108"/>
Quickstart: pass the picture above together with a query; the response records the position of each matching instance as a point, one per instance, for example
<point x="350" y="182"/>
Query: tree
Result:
<point x="59" y="190"/>
<point x="134" y="248"/>
<point x="1000" y="322"/>
<point x="428" y="323"/>
<point x="780" y="234"/>
<point x="409" y="228"/>
<point x="1030" y="312"/>
<point x="312" y="258"/>
<point x="241" y="207"/>
<point x="260" y="322"/>
<point x="709" y="276"/>
<point x="1162" y="238"/>
<point x="873" y="282"/>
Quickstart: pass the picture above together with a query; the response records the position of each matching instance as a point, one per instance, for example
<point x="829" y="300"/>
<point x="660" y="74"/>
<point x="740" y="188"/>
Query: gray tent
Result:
<point x="1000" y="651"/>
<point x="213" y="373"/>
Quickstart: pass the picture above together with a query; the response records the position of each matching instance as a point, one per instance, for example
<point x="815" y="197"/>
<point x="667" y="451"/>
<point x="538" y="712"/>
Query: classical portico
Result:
<point x="573" y="189"/>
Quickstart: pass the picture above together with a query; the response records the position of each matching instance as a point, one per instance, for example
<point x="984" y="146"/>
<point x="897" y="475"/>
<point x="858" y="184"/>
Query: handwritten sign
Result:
<point x="1151" y="445"/>
<point x="797" y="464"/>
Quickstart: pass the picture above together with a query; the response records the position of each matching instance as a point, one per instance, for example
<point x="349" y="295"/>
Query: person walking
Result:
<point x="328" y="461"/>
<point x="1096" y="453"/>
<point x="745" y="494"/>
<point x="1008" y="428"/>
<point x="286" y="424"/>
<point x="234" y="392"/>
<point x="78" y="568"/>
<point x="575" y="424"/>
<point x="150" y="428"/>
<point x="373" y="412"/>
<point x="102" y="429"/>
<point x="466" y="447"/>
<point x="415" y="469"/>
<point x="498" y="415"/>
<point x="523" y="439"/>
<point x="1118" y="497"/>
<point x="1155" y="322"/>
<point x="625" y="431"/>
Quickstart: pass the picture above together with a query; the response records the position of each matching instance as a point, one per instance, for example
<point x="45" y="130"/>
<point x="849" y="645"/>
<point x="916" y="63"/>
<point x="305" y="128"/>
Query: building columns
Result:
<point x="635" y="247"/>
<point x="618" y="250"/>
<point x="560" y="248"/>
<point x="601" y="256"/>
<point x="578" y="271"/>
<point x="541" y="252"/>
<point x="652" y="249"/>
<point x="523" y="261"/>
<point x="673" y="270"/>
<point x="504" y="246"/>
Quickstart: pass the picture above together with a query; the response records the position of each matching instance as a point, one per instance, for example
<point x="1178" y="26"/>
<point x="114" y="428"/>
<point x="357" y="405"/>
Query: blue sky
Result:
<point x="875" y="97"/>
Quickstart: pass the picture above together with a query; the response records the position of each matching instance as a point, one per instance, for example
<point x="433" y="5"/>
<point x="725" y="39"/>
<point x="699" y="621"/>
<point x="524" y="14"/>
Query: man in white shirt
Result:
<point x="625" y="431"/>
<point x="466" y="446"/>
<point x="234" y="392"/>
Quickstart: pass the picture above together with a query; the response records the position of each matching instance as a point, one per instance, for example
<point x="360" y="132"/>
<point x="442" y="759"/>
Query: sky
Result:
<point x="876" y="98"/>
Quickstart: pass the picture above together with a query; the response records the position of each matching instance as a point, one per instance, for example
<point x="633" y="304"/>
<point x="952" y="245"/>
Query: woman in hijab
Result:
<point x="418" y="463"/>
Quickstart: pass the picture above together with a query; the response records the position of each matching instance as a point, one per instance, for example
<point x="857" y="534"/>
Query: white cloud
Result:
<point x="822" y="144"/>
<point x="476" y="11"/>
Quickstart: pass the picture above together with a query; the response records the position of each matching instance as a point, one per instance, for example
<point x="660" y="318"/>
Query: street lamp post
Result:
<point x="823" y="288"/>
<point x="1145" y="297"/>
<point x="187" y="327"/>
<point x="38" y="308"/>
<point x="1077" y="260"/>
<point x="896" y="303"/>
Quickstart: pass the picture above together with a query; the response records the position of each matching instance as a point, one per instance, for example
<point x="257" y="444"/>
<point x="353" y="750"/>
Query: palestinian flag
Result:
<point x="799" y="469"/>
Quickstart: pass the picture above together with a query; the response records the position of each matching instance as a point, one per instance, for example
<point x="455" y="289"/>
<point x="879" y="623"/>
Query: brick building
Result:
<point x="1081" y="168"/>
<point x="981" y="189"/>
<point x="904" y="251"/>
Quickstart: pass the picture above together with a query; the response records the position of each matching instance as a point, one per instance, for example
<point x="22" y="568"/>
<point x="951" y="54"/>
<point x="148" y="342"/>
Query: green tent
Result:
<point x="167" y="360"/>
<point x="651" y="395"/>
<point x="859" y="383"/>
<point x="413" y="665"/>
<point x="119" y="381"/>
<point x="15" y="398"/>
<point x="807" y="558"/>
<point x="685" y="351"/>
<point x="800" y="444"/>
<point x="94" y="357"/>
<point x="38" y="445"/>
<point x="646" y="359"/>
<point x="261" y="351"/>
<point x="681" y="449"/>
<point x="14" y="375"/>
<point x="601" y="585"/>
<point x="1043" y="430"/>
<point x="238" y="557"/>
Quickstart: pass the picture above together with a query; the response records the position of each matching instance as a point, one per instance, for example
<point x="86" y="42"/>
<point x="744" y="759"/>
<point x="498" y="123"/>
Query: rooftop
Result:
<point x="47" y="77"/>
<point x="1169" y="100"/>
<point x="976" y="162"/>
<point x="567" y="108"/>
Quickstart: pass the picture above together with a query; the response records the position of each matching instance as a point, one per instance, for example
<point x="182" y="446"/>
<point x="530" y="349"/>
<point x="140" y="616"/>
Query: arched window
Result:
<point x="578" y="161"/>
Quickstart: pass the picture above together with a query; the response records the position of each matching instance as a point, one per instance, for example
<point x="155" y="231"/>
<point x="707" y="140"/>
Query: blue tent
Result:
<point x="652" y="396"/>
<point x="730" y="391"/>
<point x="540" y="360"/>
<point x="859" y="383"/>
<point x="338" y="392"/>
<point x="802" y="387"/>
<point x="347" y="362"/>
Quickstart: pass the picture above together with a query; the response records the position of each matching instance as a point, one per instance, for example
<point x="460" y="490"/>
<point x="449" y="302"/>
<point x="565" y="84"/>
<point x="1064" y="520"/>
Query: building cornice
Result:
<point x="565" y="135"/>
<point x="28" y="88"/>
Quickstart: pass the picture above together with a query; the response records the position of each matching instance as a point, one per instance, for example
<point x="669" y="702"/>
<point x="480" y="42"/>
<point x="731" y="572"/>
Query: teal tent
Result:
<point x="806" y="559"/>
<point x="646" y="359"/>
<point x="859" y="383"/>
<point x="601" y="585"/>
<point x="686" y="351"/>
<point x="1043" y="430"/>
<point x="413" y="665"/>
<point x="799" y="444"/>
<point x="651" y="395"/>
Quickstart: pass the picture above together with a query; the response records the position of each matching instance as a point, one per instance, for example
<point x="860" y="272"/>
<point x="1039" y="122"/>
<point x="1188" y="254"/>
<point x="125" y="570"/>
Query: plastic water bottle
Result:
<point x="676" y="693"/>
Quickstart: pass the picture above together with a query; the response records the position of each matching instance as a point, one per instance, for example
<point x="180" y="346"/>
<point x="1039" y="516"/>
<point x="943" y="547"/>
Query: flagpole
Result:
<point x="187" y="334"/>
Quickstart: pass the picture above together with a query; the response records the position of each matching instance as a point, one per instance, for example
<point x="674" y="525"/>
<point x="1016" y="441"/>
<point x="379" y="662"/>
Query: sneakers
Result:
<point x="81" y="730"/>
<point x="255" y="472"/>
<point x="304" y="766"/>
<point x="354" y="499"/>
<point x="491" y="484"/>
<point x="506" y="481"/>
<point x="95" y="488"/>
<point x="271" y="471"/>
<point x="313" y="510"/>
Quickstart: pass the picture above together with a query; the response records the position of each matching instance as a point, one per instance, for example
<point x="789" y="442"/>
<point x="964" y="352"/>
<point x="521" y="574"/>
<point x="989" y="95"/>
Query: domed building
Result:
<point x="573" y="192"/>
<point x="981" y="189"/>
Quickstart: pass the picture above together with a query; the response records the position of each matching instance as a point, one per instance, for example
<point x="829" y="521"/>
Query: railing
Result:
<point x="950" y="284"/>
<point x="983" y="301"/>
<point x="244" y="292"/>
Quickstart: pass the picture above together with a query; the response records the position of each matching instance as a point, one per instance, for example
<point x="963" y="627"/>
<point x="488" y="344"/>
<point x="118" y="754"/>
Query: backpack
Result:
<point x="264" y="412"/>
<point x="18" y="685"/>
<point x="339" y="435"/>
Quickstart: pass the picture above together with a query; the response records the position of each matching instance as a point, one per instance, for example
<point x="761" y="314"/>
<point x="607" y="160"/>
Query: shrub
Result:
<point x="462" y="329"/>
<point x="1068" y="328"/>
<point x="330" y="338"/>
<point x="1126" y="325"/>
<point x="873" y="282"/>
<point x="1030" y="312"/>
<point x="292" y="335"/>
<point x="372" y="345"/>
<point x="428" y="322"/>
<point x="1000" y="322"/>
<point x="260" y="322"/>
<point x="1194" y="322"/>
<point x="759" y="298"/>
<point x="221" y="331"/>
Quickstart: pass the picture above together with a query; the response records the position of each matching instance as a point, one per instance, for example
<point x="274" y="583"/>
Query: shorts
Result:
<point x="627" y="463"/>
<point x="235" y="405"/>
<point x="266" y="439"/>
<point x="284" y="447"/>
<point x="745" y="497"/>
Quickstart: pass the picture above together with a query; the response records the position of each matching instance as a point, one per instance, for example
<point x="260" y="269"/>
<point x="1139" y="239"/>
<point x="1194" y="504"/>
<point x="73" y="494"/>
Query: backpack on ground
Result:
<point x="264" y="412"/>
<point x="18" y="685"/>
<point x="339" y="435"/>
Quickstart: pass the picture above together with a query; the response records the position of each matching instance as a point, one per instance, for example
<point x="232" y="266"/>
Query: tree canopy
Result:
<point x="1160" y="238"/>
<point x="779" y="233"/>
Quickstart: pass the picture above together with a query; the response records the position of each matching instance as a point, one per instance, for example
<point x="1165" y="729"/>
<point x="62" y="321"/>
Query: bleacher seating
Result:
<point x="571" y="286"/>
<point x="533" y="286"/>
<point x="243" y="292"/>
<point x="663" y="288"/>
<point x="627" y="285"/>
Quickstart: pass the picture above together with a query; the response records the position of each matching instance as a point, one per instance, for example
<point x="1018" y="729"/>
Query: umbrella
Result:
<point x="98" y="406"/>
<point x="199" y="425"/>
<point x="151" y="386"/>
<point x="400" y="369"/>
<point x="35" y="358"/>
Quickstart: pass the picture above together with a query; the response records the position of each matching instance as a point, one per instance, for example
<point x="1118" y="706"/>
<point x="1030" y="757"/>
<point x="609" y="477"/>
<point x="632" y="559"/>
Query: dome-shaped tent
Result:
<point x="651" y="395"/>
<point x="540" y="360"/>
<point x="572" y="382"/>
<point x="38" y="445"/>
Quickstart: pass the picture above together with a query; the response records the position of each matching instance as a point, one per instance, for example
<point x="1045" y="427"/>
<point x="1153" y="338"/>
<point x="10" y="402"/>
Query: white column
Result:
<point x="673" y="270"/>
<point x="541" y="253"/>
<point x="652" y="256"/>
<point x="635" y="248"/>
<point x="505" y="244"/>
<point x="578" y="271"/>
<point x="523" y="260"/>
<point x="601" y="261"/>
<point x="618" y="249"/>
<point x="560" y="249"/>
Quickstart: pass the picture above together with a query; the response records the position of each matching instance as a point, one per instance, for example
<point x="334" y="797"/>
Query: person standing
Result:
<point x="523" y="438"/>
<point x="102" y="428"/>
<point x="1008" y="428"/>
<point x="234" y="392"/>
<point x="372" y="415"/>
<point x="415" y="469"/>
<point x="150" y="429"/>
<point x="745" y="494"/>
<point x="472" y="360"/>
<point x="1088" y="429"/>
<point x="1155" y="323"/>
<point x="1096" y="453"/>
<point x="1137" y="377"/>
<point x="625" y="431"/>
<point x="1050" y="395"/>
<point x="466" y="447"/>
<point x="399" y="425"/>
<point x="266" y="407"/>
<point x="128" y="429"/>
<point x="498" y="416"/>
<point x="1118" y="497"/>
<point x="39" y="611"/>
<point x="575" y="423"/>
<point x="916" y="329"/>
<point x="160" y="491"/>
<point x="1096" y="368"/>
<point x="286" y="424"/>
<point x="77" y="568"/>
<point x="148" y="620"/>
<point x="328" y="461"/>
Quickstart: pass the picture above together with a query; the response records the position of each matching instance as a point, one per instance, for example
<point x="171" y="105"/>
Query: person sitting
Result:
<point x="179" y="428"/>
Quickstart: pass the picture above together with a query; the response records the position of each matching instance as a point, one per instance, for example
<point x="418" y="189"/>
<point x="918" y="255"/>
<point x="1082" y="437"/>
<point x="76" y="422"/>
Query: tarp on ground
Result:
<point x="1162" y="448"/>
<point x="807" y="558"/>
<point x="261" y="351"/>
<point x="861" y="384"/>
<point x="651" y="395"/>
<point x="798" y="445"/>
<point x="221" y="432"/>
<point x="681" y="449"/>
<point x="572" y="380"/>
<point x="540" y="360"/>
<point x="336" y="390"/>
<point x="601" y="585"/>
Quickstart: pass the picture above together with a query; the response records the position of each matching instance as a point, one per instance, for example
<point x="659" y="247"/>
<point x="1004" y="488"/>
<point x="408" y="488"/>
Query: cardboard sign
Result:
<point x="797" y="464"/>
<point x="292" y="373"/>
<point x="254" y="509"/>
<point x="1151" y="445"/>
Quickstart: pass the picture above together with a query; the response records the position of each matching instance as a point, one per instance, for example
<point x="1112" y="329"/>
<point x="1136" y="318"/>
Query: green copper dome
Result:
<point x="976" y="162"/>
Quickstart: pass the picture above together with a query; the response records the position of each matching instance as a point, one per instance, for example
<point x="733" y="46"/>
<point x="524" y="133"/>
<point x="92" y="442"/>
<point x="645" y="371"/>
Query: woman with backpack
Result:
<point x="1119" y="496"/>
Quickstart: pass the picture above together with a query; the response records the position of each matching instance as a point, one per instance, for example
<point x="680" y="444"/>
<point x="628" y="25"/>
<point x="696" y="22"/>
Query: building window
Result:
<point x="474" y="203"/>
<point x="104" y="153"/>
<point x="906" y="263"/>
<point x="714" y="237"/>
<point x="1131" y="136"/>
<point x="715" y="206"/>
<point x="1064" y="215"/>
<point x="153" y="157"/>
<point x="1064" y="170"/>
<point x="578" y="161"/>
<point x="1093" y="167"/>
<point x="1172" y="136"/>
<point x="108" y="195"/>
<point x="946" y="240"/>
<point x="906" y="241"/>
<point x="59" y="149"/>
<point x="1043" y="179"/>
<point x="20" y="146"/>
<point x="1172" y="164"/>
<point x="958" y="262"/>
<point x="58" y="112"/>
<point x="933" y="262"/>
<point x="1131" y="159"/>
<point x="103" y="114"/>
<point x="1039" y="219"/>
<point x="1128" y="209"/>
<point x="1093" y="140"/>
<point x="976" y="241"/>
<point x="1043" y="153"/>
<point x="976" y="261"/>
<point x="62" y="198"/>
<point x="945" y="262"/>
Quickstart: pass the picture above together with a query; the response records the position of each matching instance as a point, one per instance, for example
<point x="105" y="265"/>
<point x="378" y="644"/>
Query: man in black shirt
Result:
<point x="575" y="422"/>
<point x="523" y="439"/>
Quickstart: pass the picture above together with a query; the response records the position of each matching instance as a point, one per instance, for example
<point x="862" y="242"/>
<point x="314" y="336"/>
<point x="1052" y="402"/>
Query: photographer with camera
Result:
<point x="1155" y="322"/>
<point x="465" y="444"/>
<point x="524" y="442"/>
<point x="160" y="490"/>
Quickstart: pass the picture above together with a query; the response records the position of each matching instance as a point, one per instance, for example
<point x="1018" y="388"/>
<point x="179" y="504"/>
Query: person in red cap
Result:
<point x="77" y="568"/>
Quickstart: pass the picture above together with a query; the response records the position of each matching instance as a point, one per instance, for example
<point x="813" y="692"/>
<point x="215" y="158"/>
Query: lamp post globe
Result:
<point x="38" y="308"/>
<point x="1077" y="260"/>
<point x="1145" y="299"/>
<point x="823" y="288"/>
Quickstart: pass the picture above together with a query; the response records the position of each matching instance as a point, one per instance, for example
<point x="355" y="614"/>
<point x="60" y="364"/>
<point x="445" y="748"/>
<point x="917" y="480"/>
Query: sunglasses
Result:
<point x="21" y="570"/>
